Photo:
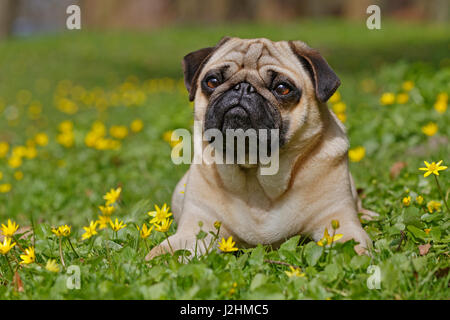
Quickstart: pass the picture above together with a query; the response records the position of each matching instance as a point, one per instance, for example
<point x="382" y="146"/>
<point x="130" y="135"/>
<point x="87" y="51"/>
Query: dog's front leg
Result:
<point x="186" y="239"/>
<point x="349" y="227"/>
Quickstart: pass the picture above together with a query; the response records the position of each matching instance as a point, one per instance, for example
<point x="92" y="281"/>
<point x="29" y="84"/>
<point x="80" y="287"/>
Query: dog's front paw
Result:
<point x="157" y="251"/>
<point x="368" y="215"/>
<point x="364" y="244"/>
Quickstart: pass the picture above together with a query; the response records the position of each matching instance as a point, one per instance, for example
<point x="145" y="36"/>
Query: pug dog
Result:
<point x="258" y="83"/>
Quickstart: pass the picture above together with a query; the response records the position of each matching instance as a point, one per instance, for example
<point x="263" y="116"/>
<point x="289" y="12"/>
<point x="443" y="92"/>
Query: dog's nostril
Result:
<point x="244" y="87"/>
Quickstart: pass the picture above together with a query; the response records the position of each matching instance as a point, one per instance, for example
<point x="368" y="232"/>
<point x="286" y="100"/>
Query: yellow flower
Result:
<point x="342" y="117"/>
<point x="107" y="144"/>
<point x="167" y="136"/>
<point x="116" y="226"/>
<point x="107" y="210"/>
<point x="67" y="106"/>
<point x="6" y="245"/>
<point x="99" y="128"/>
<point x="440" y="106"/>
<point x="41" y="139"/>
<point x="5" y="187"/>
<point x="443" y="96"/>
<point x="28" y="257"/>
<point x="4" y="148"/>
<point x="356" y="154"/>
<point x="31" y="153"/>
<point x="406" y="201"/>
<point x="144" y="232"/>
<point x="407" y="85"/>
<point x="90" y="230"/>
<point x="163" y="226"/>
<point x="387" y="98"/>
<point x="10" y="228"/>
<point x="19" y="151"/>
<point x="427" y="231"/>
<point x="227" y="245"/>
<point x="18" y="175"/>
<point x="66" y="139"/>
<point x="160" y="214"/>
<point x="118" y="132"/>
<point x="233" y="288"/>
<point x="336" y="97"/>
<point x="217" y="224"/>
<point x="432" y="168"/>
<point x="430" y="129"/>
<point x="335" y="224"/>
<point x="339" y="107"/>
<point x="295" y="272"/>
<point x="327" y="239"/>
<point x="402" y="98"/>
<point x="15" y="162"/>
<point x="419" y="200"/>
<point x="103" y="222"/>
<point x="34" y="110"/>
<point x="52" y="266"/>
<point x="323" y="242"/>
<point x="65" y="126"/>
<point x="433" y="206"/>
<point x="112" y="196"/>
<point x="62" y="231"/>
<point x="137" y="125"/>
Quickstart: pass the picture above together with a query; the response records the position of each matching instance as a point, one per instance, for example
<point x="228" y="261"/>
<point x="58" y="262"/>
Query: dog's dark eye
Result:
<point x="212" y="82"/>
<point x="282" y="89"/>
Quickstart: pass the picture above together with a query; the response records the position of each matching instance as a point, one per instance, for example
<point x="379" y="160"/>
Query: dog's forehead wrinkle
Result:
<point x="249" y="51"/>
<point x="252" y="55"/>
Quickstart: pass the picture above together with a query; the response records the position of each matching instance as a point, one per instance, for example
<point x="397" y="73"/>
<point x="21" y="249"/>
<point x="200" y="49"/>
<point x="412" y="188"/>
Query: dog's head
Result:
<point x="258" y="84"/>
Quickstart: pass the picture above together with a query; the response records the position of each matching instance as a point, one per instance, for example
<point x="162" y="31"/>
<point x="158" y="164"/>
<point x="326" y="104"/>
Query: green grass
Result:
<point x="66" y="185"/>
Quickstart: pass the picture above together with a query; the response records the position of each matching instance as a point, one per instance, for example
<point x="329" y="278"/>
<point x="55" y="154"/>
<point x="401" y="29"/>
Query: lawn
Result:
<point x="84" y="112"/>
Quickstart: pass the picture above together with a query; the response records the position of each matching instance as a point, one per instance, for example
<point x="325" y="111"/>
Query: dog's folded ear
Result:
<point x="193" y="64"/>
<point x="325" y="80"/>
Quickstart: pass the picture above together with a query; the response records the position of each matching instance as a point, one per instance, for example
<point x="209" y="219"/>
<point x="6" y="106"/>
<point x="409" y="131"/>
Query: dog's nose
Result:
<point x="244" y="88"/>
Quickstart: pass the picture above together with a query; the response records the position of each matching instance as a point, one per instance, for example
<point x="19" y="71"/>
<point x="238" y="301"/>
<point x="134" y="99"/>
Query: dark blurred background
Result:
<point x="24" y="17"/>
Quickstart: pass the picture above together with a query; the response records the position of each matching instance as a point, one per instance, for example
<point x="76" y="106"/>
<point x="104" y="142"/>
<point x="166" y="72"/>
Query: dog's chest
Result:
<point x="255" y="219"/>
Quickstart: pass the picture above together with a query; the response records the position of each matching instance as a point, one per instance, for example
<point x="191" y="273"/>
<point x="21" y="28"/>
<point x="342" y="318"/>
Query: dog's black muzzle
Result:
<point x="242" y="107"/>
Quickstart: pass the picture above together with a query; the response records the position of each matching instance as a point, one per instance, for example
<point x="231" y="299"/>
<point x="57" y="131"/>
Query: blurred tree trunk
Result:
<point x="356" y="9"/>
<point x="8" y="12"/>
<point x="439" y="10"/>
<point x="133" y="14"/>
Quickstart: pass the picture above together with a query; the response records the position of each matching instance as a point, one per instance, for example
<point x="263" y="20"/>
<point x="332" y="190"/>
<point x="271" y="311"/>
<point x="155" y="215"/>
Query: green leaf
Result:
<point x="257" y="256"/>
<point x="420" y="263"/>
<point x="291" y="244"/>
<point x="312" y="253"/>
<point x="156" y="291"/>
<point x="201" y="235"/>
<point x="360" y="262"/>
<point x="257" y="281"/>
<point x="411" y="216"/>
<point x="417" y="233"/>
<point x="240" y="263"/>
<point x="112" y="245"/>
<point x="268" y="291"/>
<point x="331" y="272"/>
<point x="435" y="234"/>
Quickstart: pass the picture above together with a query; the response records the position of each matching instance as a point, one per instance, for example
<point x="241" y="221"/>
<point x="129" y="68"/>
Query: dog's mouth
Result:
<point x="245" y="122"/>
<point x="236" y="117"/>
<point x="230" y="111"/>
